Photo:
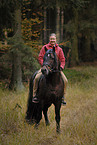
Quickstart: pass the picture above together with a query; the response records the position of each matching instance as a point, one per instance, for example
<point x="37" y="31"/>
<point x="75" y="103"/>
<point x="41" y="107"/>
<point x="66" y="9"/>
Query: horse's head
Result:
<point x="50" y="62"/>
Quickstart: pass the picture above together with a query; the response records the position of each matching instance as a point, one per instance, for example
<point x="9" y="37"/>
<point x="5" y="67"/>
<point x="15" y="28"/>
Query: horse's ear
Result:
<point x="54" y="48"/>
<point x="45" y="48"/>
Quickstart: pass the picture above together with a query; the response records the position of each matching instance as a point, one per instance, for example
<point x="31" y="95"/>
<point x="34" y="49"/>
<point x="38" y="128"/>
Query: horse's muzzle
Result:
<point x="45" y="70"/>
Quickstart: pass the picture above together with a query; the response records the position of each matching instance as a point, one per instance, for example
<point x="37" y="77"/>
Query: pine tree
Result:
<point x="88" y="27"/>
<point x="16" y="78"/>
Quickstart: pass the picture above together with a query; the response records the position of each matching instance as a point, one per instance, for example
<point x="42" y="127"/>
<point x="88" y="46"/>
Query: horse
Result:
<point x="50" y="91"/>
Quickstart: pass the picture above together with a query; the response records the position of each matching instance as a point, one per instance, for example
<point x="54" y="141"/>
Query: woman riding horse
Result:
<point x="50" y="89"/>
<point x="61" y="57"/>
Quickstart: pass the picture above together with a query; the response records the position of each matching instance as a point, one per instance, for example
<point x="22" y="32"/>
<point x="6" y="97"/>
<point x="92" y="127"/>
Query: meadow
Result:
<point x="78" y="117"/>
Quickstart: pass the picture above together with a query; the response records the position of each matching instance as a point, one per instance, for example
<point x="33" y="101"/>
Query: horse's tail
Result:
<point x="30" y="105"/>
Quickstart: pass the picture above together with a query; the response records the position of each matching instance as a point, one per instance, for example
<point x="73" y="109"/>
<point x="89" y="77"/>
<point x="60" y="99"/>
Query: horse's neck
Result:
<point x="53" y="78"/>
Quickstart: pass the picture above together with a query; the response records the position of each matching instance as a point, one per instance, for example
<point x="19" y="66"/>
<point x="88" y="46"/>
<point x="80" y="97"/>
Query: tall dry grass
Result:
<point x="78" y="117"/>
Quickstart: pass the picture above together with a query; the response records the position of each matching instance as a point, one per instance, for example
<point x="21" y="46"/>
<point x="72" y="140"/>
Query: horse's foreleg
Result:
<point x="38" y="115"/>
<point x="38" y="120"/>
<point x="45" y="109"/>
<point x="57" y="116"/>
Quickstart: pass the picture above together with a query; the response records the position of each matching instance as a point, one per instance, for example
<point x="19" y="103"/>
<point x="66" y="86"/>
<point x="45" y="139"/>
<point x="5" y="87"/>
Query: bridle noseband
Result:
<point x="51" y="69"/>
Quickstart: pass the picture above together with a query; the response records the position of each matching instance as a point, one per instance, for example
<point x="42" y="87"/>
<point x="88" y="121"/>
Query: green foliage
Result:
<point x="70" y="28"/>
<point x="85" y="17"/>
<point x="17" y="45"/>
<point x="29" y="59"/>
<point x="32" y="21"/>
<point x="77" y="76"/>
<point x="79" y="3"/>
<point x="12" y="3"/>
<point x="29" y="62"/>
<point x="81" y="26"/>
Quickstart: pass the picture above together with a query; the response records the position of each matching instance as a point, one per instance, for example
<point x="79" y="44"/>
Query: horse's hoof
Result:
<point x="63" y="103"/>
<point x="36" y="126"/>
<point x="58" y="131"/>
<point x="47" y="123"/>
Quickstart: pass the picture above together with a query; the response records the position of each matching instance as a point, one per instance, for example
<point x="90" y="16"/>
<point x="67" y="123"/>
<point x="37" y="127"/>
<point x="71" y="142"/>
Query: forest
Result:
<point x="25" y="26"/>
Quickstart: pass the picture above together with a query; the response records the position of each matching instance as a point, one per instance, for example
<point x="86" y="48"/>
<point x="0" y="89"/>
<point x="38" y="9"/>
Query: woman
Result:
<point x="52" y="43"/>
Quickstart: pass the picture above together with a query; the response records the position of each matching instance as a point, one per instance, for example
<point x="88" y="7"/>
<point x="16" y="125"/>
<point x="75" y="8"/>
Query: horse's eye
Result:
<point x="48" y="55"/>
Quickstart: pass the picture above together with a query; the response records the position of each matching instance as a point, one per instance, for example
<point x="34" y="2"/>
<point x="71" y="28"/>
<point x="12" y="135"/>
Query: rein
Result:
<point x="55" y="70"/>
<point x="49" y="68"/>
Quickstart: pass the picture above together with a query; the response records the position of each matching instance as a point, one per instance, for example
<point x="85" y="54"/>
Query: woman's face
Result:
<point x="52" y="40"/>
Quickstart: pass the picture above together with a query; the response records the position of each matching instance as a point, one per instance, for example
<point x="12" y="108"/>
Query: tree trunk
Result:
<point x="74" y="51"/>
<point x="58" y="25"/>
<point x="62" y="22"/>
<point x="16" y="79"/>
<point x="45" y="29"/>
<point x="86" y="53"/>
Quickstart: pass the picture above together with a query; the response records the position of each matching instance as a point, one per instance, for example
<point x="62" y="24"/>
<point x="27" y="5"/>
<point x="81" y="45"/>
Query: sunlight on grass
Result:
<point x="78" y="117"/>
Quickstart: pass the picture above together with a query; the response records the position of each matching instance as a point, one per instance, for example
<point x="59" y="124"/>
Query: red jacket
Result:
<point x="58" y="51"/>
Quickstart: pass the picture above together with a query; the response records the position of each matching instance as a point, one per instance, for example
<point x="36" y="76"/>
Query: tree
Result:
<point x="16" y="79"/>
<point x="18" y="47"/>
<point x="12" y="19"/>
<point x="88" y="27"/>
<point x="74" y="51"/>
<point x="73" y="21"/>
<point x="79" y="26"/>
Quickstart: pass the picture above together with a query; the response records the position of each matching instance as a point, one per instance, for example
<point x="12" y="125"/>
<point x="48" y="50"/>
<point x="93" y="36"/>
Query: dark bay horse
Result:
<point x="50" y="91"/>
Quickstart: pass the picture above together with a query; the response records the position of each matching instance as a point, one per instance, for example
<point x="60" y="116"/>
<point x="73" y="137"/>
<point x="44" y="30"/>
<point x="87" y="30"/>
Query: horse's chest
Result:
<point x="51" y="88"/>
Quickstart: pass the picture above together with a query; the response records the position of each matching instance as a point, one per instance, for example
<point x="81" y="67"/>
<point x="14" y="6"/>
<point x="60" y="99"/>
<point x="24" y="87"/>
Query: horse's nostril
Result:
<point x="43" y="70"/>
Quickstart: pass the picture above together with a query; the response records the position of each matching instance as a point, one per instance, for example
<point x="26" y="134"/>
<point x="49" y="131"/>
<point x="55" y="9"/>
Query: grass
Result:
<point x="78" y="117"/>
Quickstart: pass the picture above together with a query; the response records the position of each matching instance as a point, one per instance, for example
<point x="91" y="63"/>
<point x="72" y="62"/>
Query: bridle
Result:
<point x="48" y="67"/>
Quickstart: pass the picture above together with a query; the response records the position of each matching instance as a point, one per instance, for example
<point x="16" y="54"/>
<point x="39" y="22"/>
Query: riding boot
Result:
<point x="63" y="102"/>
